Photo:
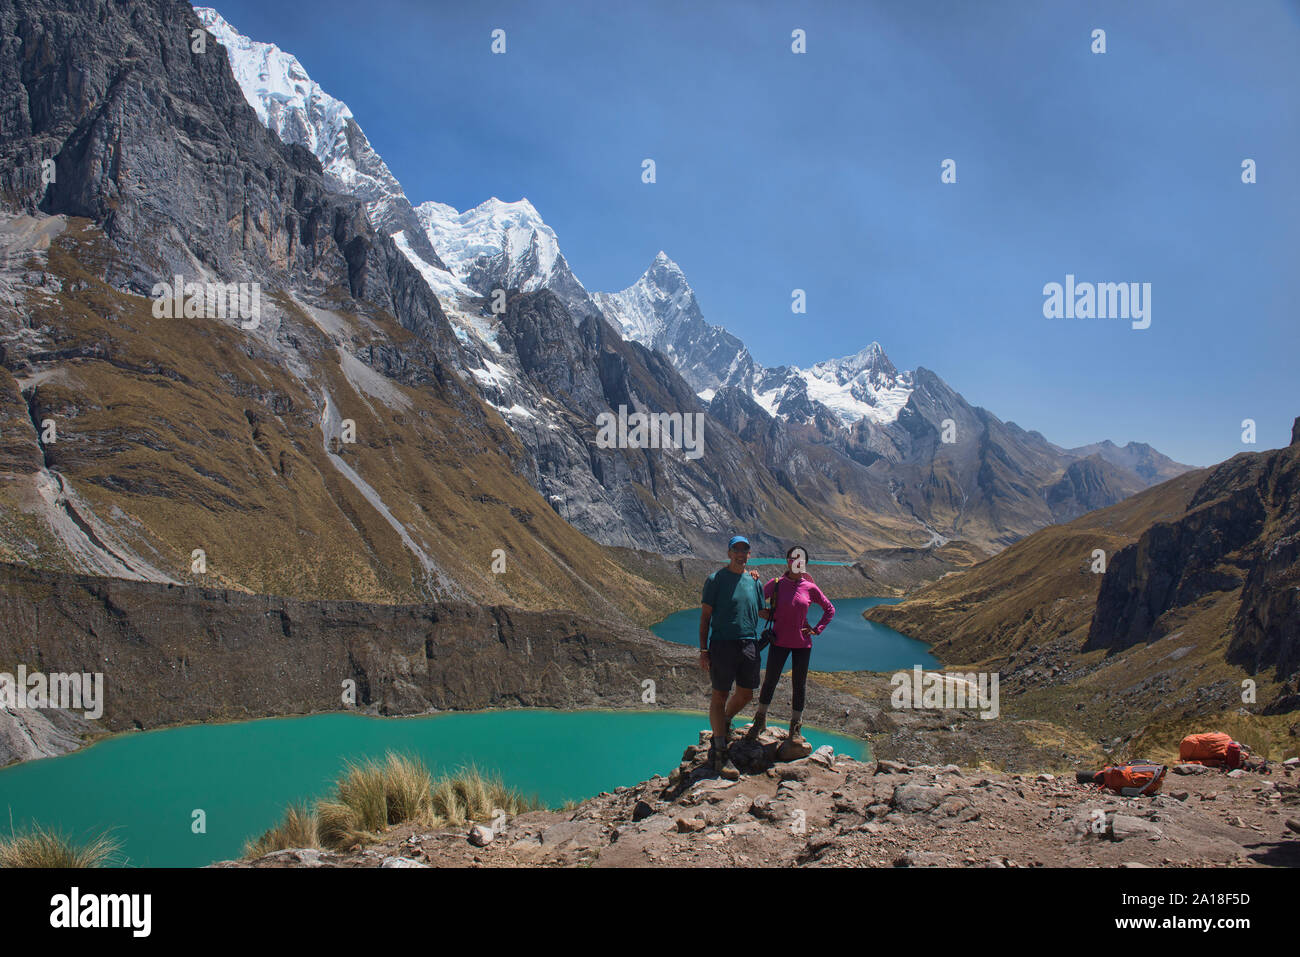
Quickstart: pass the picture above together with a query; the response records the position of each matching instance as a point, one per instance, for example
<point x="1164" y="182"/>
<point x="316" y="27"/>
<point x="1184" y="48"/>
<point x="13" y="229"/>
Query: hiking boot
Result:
<point x="795" y="737"/>
<point x="723" y="767"/>
<point x="718" y="759"/>
<point x="755" y="729"/>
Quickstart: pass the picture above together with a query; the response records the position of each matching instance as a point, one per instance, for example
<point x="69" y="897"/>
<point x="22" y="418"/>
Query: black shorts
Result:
<point x="734" y="661"/>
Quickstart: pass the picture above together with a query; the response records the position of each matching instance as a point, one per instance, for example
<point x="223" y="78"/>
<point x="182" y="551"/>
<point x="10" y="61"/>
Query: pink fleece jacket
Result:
<point x="794" y="599"/>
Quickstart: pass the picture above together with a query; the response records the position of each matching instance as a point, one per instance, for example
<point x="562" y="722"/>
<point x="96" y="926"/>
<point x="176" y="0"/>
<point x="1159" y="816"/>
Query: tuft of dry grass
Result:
<point x="298" y="829"/>
<point x="371" y="796"/>
<point x="40" y="847"/>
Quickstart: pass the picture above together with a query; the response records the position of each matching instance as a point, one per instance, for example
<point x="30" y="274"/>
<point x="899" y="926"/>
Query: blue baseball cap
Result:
<point x="737" y="540"/>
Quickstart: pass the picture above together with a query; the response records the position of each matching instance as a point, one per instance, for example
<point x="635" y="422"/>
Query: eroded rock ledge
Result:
<point x="832" y="810"/>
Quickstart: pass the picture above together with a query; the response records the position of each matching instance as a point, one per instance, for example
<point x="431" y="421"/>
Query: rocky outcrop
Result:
<point x="1266" y="631"/>
<point x="841" y="812"/>
<point x="1174" y="563"/>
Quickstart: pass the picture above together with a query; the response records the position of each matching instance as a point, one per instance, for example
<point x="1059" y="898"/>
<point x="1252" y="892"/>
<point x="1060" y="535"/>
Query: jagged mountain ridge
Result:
<point x="660" y="312"/>
<point x="1136" y="457"/>
<point x="197" y="450"/>
<point x="661" y="503"/>
<point x="794" y="484"/>
<point x="850" y="403"/>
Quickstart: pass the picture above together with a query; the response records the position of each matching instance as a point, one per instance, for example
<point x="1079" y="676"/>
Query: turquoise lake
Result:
<point x="851" y="643"/>
<point x="145" y="786"/>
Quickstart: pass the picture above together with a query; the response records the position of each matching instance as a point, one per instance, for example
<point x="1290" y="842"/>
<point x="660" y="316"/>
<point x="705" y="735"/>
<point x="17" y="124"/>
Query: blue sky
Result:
<point x="821" y="172"/>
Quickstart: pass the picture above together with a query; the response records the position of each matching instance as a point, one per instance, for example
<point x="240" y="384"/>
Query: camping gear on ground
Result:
<point x="1214" y="749"/>
<point x="1132" y="778"/>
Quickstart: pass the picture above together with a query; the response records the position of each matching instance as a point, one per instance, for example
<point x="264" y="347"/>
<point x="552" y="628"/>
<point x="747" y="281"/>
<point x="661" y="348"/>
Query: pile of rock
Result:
<point x="773" y="745"/>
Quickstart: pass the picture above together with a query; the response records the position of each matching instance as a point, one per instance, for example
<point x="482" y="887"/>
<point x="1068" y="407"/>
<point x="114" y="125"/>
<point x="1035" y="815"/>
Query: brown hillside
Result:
<point x="1193" y="621"/>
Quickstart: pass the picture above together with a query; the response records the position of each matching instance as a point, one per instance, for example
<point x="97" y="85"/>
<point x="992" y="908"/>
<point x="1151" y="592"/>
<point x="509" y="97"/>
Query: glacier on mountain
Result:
<point x="465" y="255"/>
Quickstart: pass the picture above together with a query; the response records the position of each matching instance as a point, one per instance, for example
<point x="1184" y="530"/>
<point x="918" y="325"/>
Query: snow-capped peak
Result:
<point x="292" y="104"/>
<point x="265" y="73"/>
<point x="871" y="360"/>
<point x="863" y="385"/>
<point x="660" y="311"/>
<point x="652" y="309"/>
<point x="498" y="243"/>
<point x="520" y="207"/>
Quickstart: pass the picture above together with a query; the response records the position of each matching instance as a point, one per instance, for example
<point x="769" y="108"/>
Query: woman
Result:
<point x="794" y="592"/>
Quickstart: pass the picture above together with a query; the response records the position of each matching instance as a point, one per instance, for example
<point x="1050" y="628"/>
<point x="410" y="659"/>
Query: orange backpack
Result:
<point x="1132" y="778"/>
<point x="1216" y="750"/>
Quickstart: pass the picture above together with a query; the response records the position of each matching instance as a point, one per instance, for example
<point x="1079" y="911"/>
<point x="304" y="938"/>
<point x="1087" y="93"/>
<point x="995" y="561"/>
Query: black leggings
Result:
<point x="776" y="656"/>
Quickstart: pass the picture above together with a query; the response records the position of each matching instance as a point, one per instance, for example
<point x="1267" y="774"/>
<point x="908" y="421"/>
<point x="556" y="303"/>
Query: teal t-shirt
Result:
<point x="735" y="600"/>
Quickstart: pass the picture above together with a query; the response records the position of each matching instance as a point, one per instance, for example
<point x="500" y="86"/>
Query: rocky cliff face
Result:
<point x="157" y="144"/>
<point x="176" y="653"/>
<point x="1240" y="536"/>
<point x="179" y="653"/>
<point x="294" y="107"/>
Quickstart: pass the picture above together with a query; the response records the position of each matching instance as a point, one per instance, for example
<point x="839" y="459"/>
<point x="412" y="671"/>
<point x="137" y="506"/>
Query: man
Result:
<point x="730" y="607"/>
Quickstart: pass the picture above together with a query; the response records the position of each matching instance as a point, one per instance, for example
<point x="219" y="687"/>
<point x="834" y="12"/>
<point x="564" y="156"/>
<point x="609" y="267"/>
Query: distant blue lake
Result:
<point x="851" y="643"/>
